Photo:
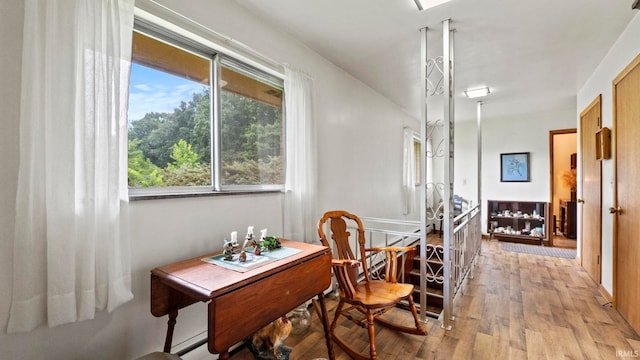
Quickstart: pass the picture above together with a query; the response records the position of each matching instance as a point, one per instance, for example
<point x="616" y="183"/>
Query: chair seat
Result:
<point x="379" y="293"/>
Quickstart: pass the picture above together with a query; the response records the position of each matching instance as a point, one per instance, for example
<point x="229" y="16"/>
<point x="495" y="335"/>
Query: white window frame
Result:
<point x="203" y="43"/>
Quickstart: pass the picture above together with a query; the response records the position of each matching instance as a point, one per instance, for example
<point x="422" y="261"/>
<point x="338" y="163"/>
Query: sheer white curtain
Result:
<point x="300" y="183"/>
<point x="71" y="252"/>
<point x="408" y="173"/>
<point x="409" y="168"/>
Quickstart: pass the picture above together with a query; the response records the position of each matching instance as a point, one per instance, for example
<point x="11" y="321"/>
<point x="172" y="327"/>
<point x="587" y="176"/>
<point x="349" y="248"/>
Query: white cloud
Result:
<point x="143" y="87"/>
<point x="146" y="98"/>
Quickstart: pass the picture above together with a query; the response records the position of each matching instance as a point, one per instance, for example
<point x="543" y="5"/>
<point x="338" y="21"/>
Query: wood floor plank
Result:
<point x="564" y="295"/>
<point x="535" y="345"/>
<point x="561" y="343"/>
<point x="516" y="354"/>
<point x="465" y="327"/>
<point x="517" y="339"/>
<point x="499" y="348"/>
<point x="583" y="337"/>
<point x="608" y="351"/>
<point x="501" y="327"/>
<point x="634" y="345"/>
<point x="464" y="350"/>
<point x="482" y="349"/>
<point x="609" y="334"/>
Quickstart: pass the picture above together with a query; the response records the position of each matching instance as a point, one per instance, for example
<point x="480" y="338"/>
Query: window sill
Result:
<point x="141" y="197"/>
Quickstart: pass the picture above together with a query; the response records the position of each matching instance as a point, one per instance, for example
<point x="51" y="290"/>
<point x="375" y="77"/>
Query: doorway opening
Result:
<point x="563" y="184"/>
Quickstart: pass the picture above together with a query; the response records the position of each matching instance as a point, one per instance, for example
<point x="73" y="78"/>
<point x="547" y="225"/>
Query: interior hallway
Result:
<point x="517" y="306"/>
<point x="563" y="242"/>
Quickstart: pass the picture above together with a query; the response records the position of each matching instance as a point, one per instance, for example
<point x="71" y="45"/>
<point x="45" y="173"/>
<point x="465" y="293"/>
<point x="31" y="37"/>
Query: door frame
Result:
<point x="614" y="155"/>
<point x="552" y="133"/>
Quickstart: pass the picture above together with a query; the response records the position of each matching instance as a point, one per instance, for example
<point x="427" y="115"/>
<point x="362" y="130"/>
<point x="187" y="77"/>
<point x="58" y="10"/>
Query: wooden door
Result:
<point x="626" y="209"/>
<point x="591" y="185"/>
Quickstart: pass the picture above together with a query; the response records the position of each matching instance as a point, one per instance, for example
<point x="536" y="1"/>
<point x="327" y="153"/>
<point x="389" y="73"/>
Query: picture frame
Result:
<point x="514" y="167"/>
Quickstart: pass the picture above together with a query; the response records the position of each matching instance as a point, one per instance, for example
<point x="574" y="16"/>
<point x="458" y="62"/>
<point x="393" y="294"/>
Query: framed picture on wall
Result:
<point x="514" y="167"/>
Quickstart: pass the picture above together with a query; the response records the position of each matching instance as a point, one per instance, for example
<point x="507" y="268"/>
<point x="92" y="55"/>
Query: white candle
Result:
<point x="234" y="237"/>
<point x="263" y="233"/>
<point x="250" y="230"/>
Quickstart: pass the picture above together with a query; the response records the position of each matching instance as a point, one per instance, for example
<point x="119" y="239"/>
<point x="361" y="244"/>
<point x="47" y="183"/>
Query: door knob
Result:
<point x="615" y="210"/>
<point x="580" y="201"/>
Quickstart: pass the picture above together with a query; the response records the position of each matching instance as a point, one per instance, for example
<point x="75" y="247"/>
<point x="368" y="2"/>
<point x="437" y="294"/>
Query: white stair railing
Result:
<point x="463" y="250"/>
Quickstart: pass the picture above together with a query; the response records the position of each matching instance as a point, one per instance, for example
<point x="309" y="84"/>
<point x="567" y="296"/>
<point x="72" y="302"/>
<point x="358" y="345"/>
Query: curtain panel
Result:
<point x="71" y="249"/>
<point x="409" y="163"/>
<point x="300" y="179"/>
<point x="409" y="169"/>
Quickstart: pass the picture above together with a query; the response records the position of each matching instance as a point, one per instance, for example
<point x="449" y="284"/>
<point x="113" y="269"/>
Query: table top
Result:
<point x="204" y="281"/>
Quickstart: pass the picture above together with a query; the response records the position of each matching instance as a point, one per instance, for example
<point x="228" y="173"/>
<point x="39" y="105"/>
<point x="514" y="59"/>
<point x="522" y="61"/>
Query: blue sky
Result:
<point x="151" y="90"/>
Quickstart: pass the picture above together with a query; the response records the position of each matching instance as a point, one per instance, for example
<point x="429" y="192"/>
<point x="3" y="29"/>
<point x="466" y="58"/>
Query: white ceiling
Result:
<point x="534" y="55"/>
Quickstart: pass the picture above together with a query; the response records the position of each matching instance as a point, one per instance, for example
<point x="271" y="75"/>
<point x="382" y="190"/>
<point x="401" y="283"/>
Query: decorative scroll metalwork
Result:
<point x="435" y="189"/>
<point x="435" y="259"/>
<point x="435" y="210"/>
<point x="435" y="133"/>
<point x="435" y="76"/>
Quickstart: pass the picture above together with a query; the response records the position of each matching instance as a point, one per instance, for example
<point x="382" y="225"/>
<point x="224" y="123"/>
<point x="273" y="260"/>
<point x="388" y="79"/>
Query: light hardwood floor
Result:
<point x="517" y="306"/>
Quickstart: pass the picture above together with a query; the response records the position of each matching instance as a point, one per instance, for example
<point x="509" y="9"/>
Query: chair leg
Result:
<point x="372" y="335"/>
<point x="414" y="312"/>
<point x="336" y="339"/>
<point x="335" y="317"/>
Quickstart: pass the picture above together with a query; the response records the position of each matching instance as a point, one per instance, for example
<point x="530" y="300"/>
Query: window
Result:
<point x="251" y="128"/>
<point x="200" y="121"/>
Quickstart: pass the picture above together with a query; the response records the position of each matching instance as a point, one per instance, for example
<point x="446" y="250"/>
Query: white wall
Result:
<point x="524" y="134"/>
<point x="465" y="155"/>
<point x="360" y="169"/>
<point x="626" y="48"/>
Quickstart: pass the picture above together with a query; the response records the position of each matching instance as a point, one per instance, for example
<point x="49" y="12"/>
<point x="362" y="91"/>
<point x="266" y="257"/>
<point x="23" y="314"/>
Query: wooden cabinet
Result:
<point x="518" y="221"/>
<point x="568" y="218"/>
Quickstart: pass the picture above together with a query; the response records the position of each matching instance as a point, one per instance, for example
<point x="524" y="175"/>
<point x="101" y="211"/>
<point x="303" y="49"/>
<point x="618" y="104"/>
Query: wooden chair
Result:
<point x="370" y="298"/>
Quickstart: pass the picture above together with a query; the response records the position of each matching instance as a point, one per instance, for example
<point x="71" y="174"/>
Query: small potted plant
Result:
<point x="570" y="180"/>
<point x="271" y="242"/>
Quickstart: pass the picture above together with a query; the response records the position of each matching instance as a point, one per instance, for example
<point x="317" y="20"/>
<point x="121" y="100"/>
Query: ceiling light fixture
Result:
<point x="476" y="93"/>
<point x="636" y="4"/>
<point x="426" y="4"/>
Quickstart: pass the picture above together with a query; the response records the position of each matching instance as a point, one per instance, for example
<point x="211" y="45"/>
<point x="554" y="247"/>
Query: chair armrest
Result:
<point x="345" y="262"/>
<point x="346" y="272"/>
<point x="392" y="248"/>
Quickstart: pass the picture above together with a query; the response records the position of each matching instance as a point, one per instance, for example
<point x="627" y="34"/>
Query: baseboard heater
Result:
<point x="197" y="341"/>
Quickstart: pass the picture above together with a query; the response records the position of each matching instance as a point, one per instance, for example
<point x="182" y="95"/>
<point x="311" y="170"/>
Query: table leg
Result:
<point x="223" y="355"/>
<point x="173" y="314"/>
<point x="325" y="324"/>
